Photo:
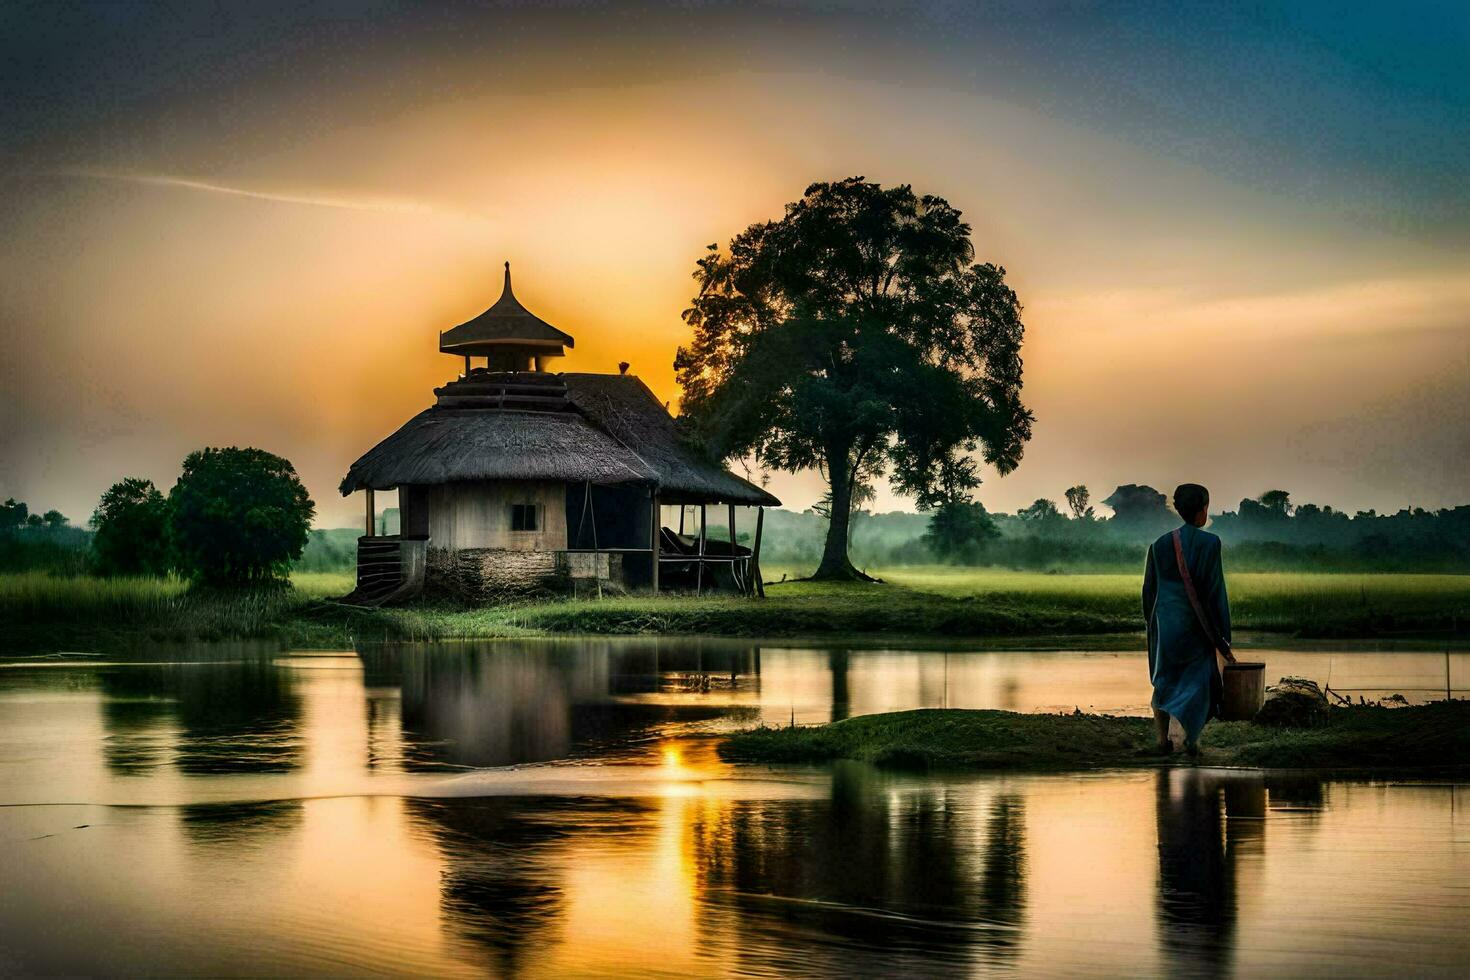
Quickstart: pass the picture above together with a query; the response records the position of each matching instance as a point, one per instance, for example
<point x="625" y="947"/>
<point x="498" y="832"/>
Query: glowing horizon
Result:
<point x="270" y="262"/>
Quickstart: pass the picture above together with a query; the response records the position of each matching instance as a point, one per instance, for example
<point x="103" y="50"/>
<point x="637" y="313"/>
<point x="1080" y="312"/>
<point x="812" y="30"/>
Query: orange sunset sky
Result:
<point x="1241" y="246"/>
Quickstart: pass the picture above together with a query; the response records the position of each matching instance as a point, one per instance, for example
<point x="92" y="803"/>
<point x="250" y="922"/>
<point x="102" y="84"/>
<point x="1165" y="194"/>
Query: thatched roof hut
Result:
<point x="449" y="445"/>
<point x="589" y="438"/>
<point x="622" y="406"/>
<point x="516" y="467"/>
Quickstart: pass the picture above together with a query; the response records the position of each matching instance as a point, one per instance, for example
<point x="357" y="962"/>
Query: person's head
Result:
<point x="1192" y="501"/>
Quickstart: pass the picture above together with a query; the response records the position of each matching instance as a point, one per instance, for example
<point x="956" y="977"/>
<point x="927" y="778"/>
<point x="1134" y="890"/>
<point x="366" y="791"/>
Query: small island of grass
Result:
<point x="1432" y="737"/>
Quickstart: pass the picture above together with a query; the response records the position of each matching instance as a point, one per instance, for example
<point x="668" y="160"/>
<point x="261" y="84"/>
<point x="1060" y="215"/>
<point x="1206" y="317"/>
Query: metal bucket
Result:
<point x="1244" y="691"/>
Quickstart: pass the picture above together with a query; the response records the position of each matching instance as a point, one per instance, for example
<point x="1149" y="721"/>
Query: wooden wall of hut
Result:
<point x="413" y="511"/>
<point x="478" y="515"/>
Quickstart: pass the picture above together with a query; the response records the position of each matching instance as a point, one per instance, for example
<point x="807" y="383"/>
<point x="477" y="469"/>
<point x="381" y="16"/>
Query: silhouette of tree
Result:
<point x="1277" y="501"/>
<point x="54" y="520"/>
<point x="1139" y="506"/>
<point x="131" y="522"/>
<point x="1040" y="510"/>
<point x="13" y="514"/>
<point x="1078" y="502"/>
<point x="856" y="333"/>
<point x="238" y="516"/>
<point x="959" y="531"/>
<point x="1271" y="509"/>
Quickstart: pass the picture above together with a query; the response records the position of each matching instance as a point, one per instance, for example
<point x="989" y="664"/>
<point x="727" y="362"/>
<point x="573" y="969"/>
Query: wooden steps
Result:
<point x="385" y="572"/>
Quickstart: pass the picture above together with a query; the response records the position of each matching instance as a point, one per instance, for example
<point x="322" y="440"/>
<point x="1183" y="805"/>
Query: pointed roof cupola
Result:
<point x="506" y="329"/>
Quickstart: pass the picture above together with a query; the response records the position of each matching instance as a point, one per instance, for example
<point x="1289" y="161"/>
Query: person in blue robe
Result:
<point x="1181" y="649"/>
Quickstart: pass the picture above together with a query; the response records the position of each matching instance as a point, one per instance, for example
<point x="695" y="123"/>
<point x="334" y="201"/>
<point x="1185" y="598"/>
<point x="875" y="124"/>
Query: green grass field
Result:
<point x="1273" y="601"/>
<point x="38" y="610"/>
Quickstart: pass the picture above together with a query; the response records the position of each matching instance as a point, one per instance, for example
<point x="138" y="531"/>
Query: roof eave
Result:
<point x="455" y="346"/>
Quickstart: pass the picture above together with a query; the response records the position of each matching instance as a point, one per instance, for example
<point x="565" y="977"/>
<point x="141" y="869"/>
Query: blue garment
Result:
<point x="1181" y="655"/>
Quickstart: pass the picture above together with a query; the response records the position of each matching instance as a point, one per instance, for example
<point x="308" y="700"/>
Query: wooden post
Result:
<point x="699" y="575"/>
<point x="372" y="522"/>
<point x="682" y="509"/>
<point x="734" y="577"/>
<point x="592" y="509"/>
<point x="467" y="365"/>
<point x="755" y="553"/>
<point x="654" y="538"/>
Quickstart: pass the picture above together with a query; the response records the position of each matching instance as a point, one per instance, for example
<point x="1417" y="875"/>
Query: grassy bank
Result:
<point x="42" y="611"/>
<point x="941" y="602"/>
<point x="39" y="610"/>
<point x="1434" y="736"/>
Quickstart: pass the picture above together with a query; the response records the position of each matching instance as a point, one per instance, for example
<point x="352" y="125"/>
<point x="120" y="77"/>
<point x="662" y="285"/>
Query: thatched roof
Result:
<point x="613" y="430"/>
<point x="622" y="405"/>
<point x="506" y="324"/>
<point x="449" y="445"/>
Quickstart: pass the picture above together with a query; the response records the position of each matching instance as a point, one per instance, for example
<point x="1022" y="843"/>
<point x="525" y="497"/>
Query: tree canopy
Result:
<point x="238" y="516"/>
<point x="1273" y="505"/>
<point x="131" y="525"/>
<point x="1140" y="506"/>
<point x="1040" y="510"/>
<point x="13" y="514"/>
<point x="1079" y="502"/>
<point x="960" y="531"/>
<point x="857" y="336"/>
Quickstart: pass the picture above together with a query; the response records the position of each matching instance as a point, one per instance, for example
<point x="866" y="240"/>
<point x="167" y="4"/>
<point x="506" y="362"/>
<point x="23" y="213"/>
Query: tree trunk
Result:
<point x="835" y="563"/>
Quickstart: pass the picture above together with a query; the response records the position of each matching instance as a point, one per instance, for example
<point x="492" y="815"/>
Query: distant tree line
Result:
<point x="40" y="541"/>
<point x="138" y="530"/>
<point x="234" y="517"/>
<point x="1264" y="533"/>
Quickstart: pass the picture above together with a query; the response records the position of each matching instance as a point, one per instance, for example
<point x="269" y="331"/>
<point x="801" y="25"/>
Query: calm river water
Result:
<point x="556" y="807"/>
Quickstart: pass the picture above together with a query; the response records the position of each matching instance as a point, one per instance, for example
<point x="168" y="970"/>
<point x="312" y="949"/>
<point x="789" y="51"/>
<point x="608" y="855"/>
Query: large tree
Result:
<point x="238" y="516"/>
<point x="857" y="335"/>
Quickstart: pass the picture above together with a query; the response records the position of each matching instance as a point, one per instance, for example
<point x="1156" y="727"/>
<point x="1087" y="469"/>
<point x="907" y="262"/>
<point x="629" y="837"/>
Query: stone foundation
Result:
<point x="501" y="574"/>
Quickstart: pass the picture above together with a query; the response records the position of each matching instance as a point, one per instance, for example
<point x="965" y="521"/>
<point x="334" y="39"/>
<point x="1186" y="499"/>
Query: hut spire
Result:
<point x="508" y="335"/>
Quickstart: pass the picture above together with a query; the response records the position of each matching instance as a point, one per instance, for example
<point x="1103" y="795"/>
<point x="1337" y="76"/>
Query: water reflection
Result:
<point x="475" y="705"/>
<point x="236" y="715"/>
<point x="329" y="792"/>
<point x="236" y="708"/>
<point x="497" y="891"/>
<point x="837" y="664"/>
<point x="1297" y="791"/>
<point x="894" y="878"/>
<point x="231" y="825"/>
<point x="1196" y="876"/>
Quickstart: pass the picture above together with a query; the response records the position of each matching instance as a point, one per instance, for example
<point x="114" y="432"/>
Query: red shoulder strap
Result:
<point x="1199" y="609"/>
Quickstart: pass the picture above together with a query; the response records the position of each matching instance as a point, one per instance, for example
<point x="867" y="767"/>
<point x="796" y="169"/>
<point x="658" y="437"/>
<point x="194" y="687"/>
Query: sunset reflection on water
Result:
<point x="247" y="812"/>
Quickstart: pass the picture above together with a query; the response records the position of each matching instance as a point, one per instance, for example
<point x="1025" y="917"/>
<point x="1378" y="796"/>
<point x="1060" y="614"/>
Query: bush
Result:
<point x="238" y="516"/>
<point x="131" y="522"/>
<point x="961" y="531"/>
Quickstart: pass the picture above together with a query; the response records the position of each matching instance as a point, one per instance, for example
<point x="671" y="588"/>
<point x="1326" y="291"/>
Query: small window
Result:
<point x="523" y="517"/>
